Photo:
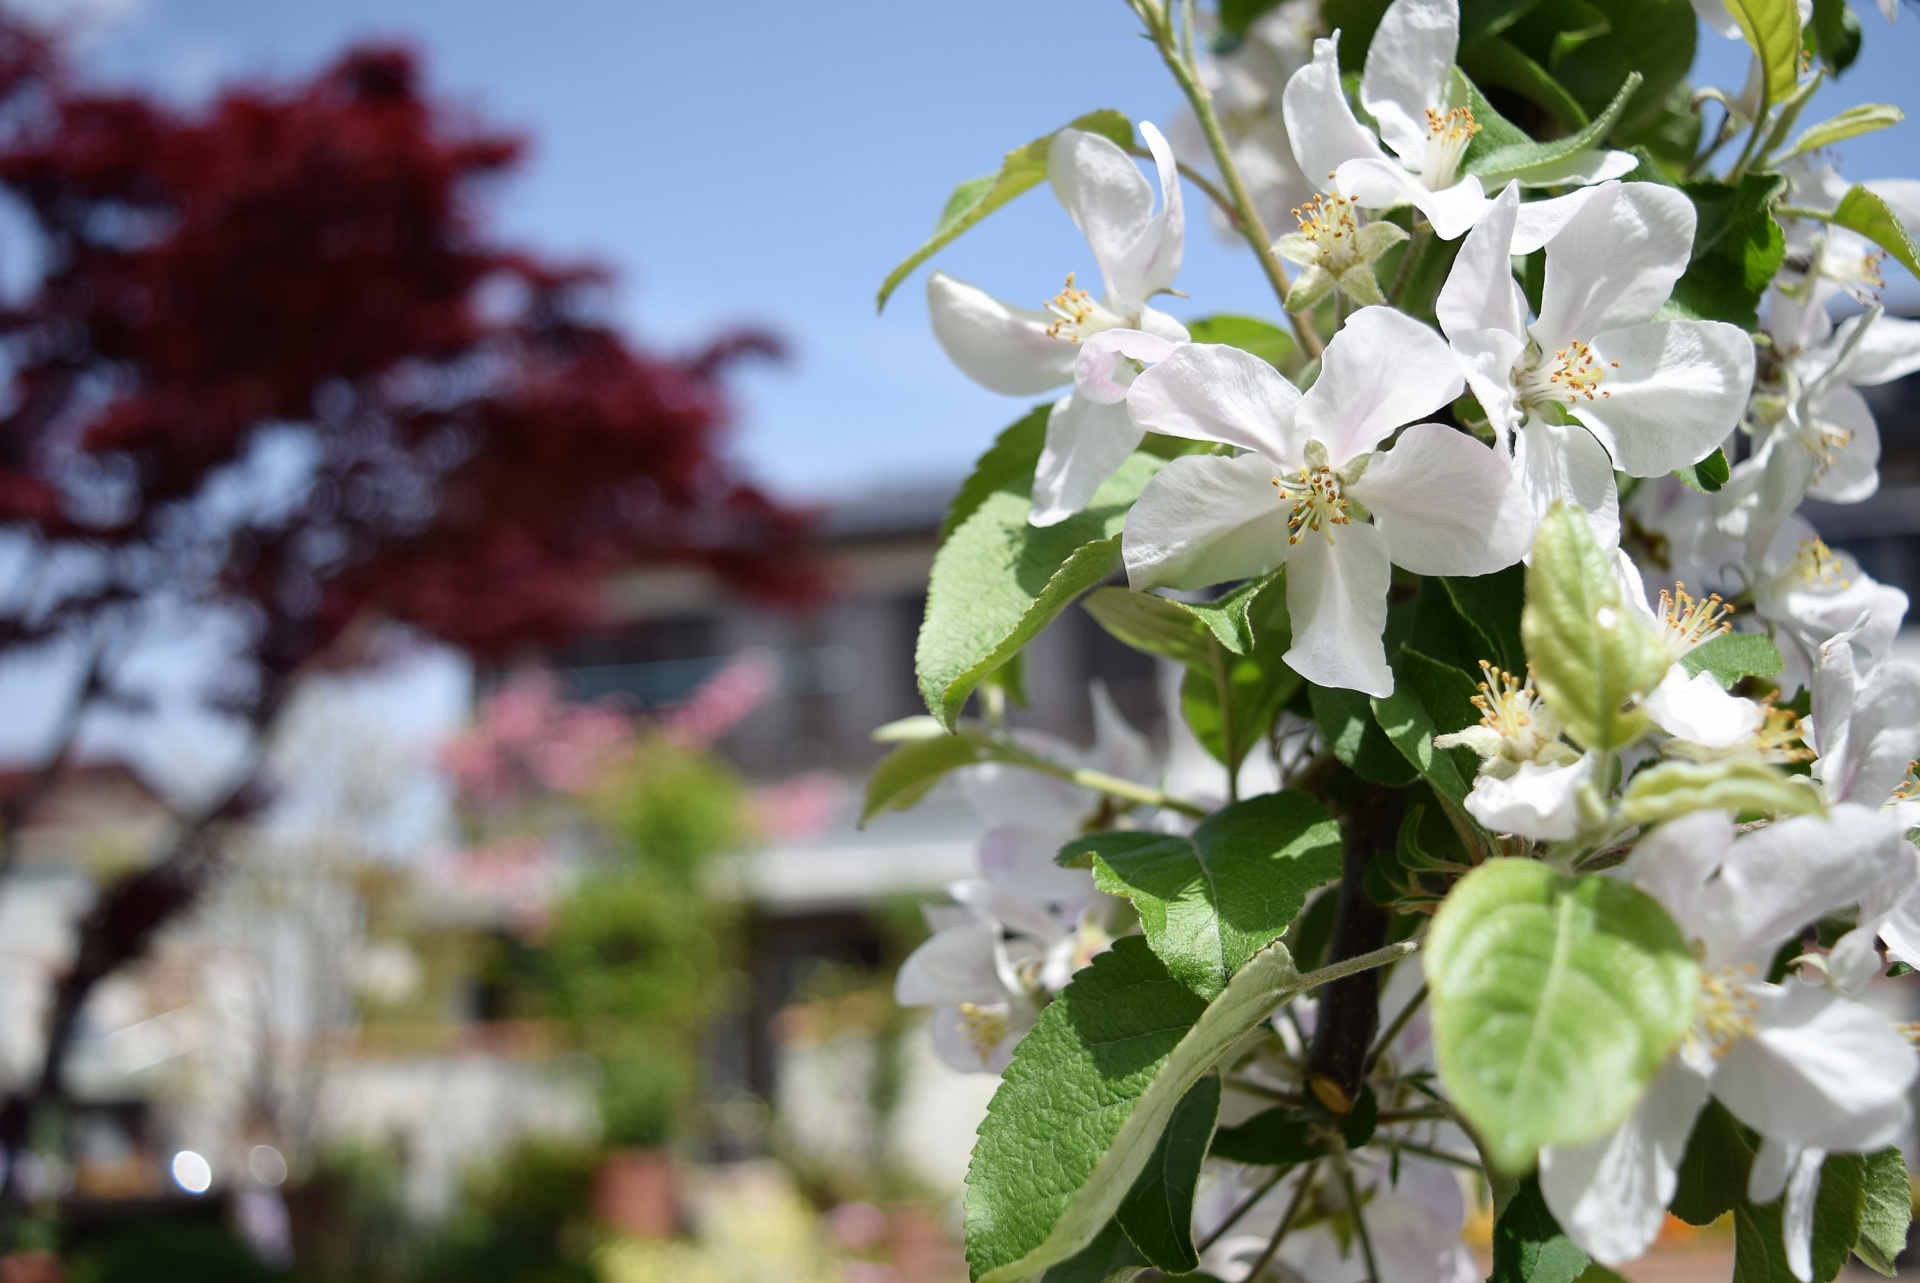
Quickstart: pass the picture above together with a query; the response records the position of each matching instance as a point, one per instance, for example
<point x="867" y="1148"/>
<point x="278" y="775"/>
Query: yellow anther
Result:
<point x="1779" y="738"/>
<point x="1071" y="309"/>
<point x="984" y="1028"/>
<point x="1507" y="704"/>
<point x="1726" y="1010"/>
<point x="1690" y="621"/>
<point x="1448" y="134"/>
<point x="1317" y="504"/>
<point x="1815" y="565"/>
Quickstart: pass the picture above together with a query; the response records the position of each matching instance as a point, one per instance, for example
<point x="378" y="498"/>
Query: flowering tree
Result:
<point x="274" y="373"/>
<point x="1506" y="867"/>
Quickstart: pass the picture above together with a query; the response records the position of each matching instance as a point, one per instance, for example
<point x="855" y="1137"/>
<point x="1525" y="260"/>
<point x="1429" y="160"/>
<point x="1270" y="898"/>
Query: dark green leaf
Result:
<point x="1491" y="604"/>
<point x="1537" y="161"/>
<point x="1708" y="475"/>
<point x="1154" y="624"/>
<point x="1529" y="1245"/>
<point x="1210" y="901"/>
<point x="1498" y="61"/>
<point x="1158" y="1212"/>
<point x="1430" y="698"/>
<point x="1713" y="1171"/>
<point x="1021" y="169"/>
<point x="1109" y="1254"/>
<point x="1737" y="247"/>
<point x="1760" y="1253"/>
<point x="1354" y="734"/>
<point x="1073" y="1082"/>
<point x="1836" y="34"/>
<point x="1731" y="656"/>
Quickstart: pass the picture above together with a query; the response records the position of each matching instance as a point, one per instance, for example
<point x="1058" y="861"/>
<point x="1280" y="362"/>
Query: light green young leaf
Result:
<point x="997" y="581"/>
<point x="1887" y="1212"/>
<point x="1862" y="211"/>
<point x="1865" y="118"/>
<point x="1022" y="169"/>
<point x="1708" y="475"/>
<point x="1531" y="161"/>
<point x="905" y="775"/>
<point x="1157" y="1215"/>
<point x="1210" y="901"/>
<point x="1674" y="789"/>
<point x="1555" y="1001"/>
<point x="1262" y="338"/>
<point x="1731" y="656"/>
<point x="1591" y="655"/>
<point x="1772" y="29"/>
<point x="1090" y="1090"/>
<point x="1154" y="624"/>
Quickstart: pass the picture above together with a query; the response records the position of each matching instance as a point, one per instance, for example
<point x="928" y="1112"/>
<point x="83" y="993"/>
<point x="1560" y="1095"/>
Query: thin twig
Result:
<point x="1344" y="1171"/>
<point x="1437" y="1155"/>
<point x="1198" y="179"/>
<point x="1393" y="1030"/>
<point x="1241" y="1211"/>
<point x="1286" y="1221"/>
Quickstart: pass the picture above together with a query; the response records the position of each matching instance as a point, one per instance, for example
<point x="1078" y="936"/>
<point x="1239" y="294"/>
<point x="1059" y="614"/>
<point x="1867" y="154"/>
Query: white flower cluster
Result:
<point x="1440" y="449"/>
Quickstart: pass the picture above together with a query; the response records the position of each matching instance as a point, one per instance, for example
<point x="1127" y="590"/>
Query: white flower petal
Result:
<point x="1118" y="749"/>
<point x="1446" y="504"/>
<point x="953" y="1041"/>
<point x="999" y="793"/>
<point x="1409" y="64"/>
<point x="1487" y="357"/>
<point x="1205" y="520"/>
<point x="1337" y="595"/>
<point x="1882" y="737"/>
<point x="1583" y="168"/>
<point x="1536" y="801"/>
<point x="1611" y="1195"/>
<point x="1383" y="184"/>
<point x="1149" y="265"/>
<point x="1101" y="372"/>
<point x="1320" y="124"/>
<point x="1853" y="475"/>
<point x="1480" y="293"/>
<point x="1019" y="857"/>
<point x="1890" y="349"/>
<point x="1086" y="444"/>
<point x="1539" y="221"/>
<point x="1796" y="1215"/>
<point x="1675" y="862"/>
<point x="1563" y="461"/>
<point x="1383" y="369"/>
<point x="1819" y="1070"/>
<point x="1004" y="349"/>
<point x="951" y="966"/>
<point x="1714" y="13"/>
<point x="1615" y="262"/>
<point x="1678" y="392"/>
<point x="1212" y="392"/>
<point x="1109" y="198"/>
<point x="1696" y="709"/>
<point x="1157" y="323"/>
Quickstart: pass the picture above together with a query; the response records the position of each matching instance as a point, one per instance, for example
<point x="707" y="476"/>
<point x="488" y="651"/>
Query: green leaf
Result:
<point x="1731" y="656"/>
<point x="1498" y="61"/>
<point x="1708" y="475"/>
<point x="1356" y="738"/>
<point x="1158" y="1212"/>
<point x="1836" y="34"/>
<point x="1887" y="1211"/>
<point x="1276" y="1137"/>
<point x="1862" y="211"/>
<point x="1531" y="161"/>
<point x="1008" y="464"/>
<point x="997" y="581"/>
<point x="1491" y="604"/>
<point x="1772" y="29"/>
<point x="1075" y="1120"/>
<point x="1154" y="624"/>
<point x="1430" y="698"/>
<point x="1555" y="1000"/>
<point x="1210" y="901"/>
<point x="1760" y="1254"/>
<point x="904" y="776"/>
<point x="1235" y="17"/>
<point x="1110" y="1254"/>
<point x="1591" y="655"/>
<point x="1528" y="1244"/>
<point x="1737" y="248"/>
<point x="1267" y="341"/>
<point x="1865" y="118"/>
<point x="1234" y="620"/>
<point x="1713" y="1171"/>
<point x="1674" y="789"/>
<point x="1023" y="168"/>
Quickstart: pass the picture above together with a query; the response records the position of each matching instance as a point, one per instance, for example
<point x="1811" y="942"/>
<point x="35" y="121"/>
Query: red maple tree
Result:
<point x="298" y="281"/>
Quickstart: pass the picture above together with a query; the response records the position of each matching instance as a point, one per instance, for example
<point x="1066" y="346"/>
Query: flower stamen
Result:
<point x="1071" y="308"/>
<point x="1317" y="503"/>
<point x="1448" y="135"/>
<point x="1690" y="621"/>
<point x="1815" y="566"/>
<point x="1327" y="221"/>
<point x="1726" y="1010"/>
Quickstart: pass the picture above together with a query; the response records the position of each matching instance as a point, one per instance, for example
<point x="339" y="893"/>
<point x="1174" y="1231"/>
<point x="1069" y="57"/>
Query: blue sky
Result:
<point x="768" y="162"/>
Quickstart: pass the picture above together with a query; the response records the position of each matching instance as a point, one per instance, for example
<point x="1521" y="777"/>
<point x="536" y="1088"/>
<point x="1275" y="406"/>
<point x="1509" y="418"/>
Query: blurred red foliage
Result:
<point x="309" y="263"/>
